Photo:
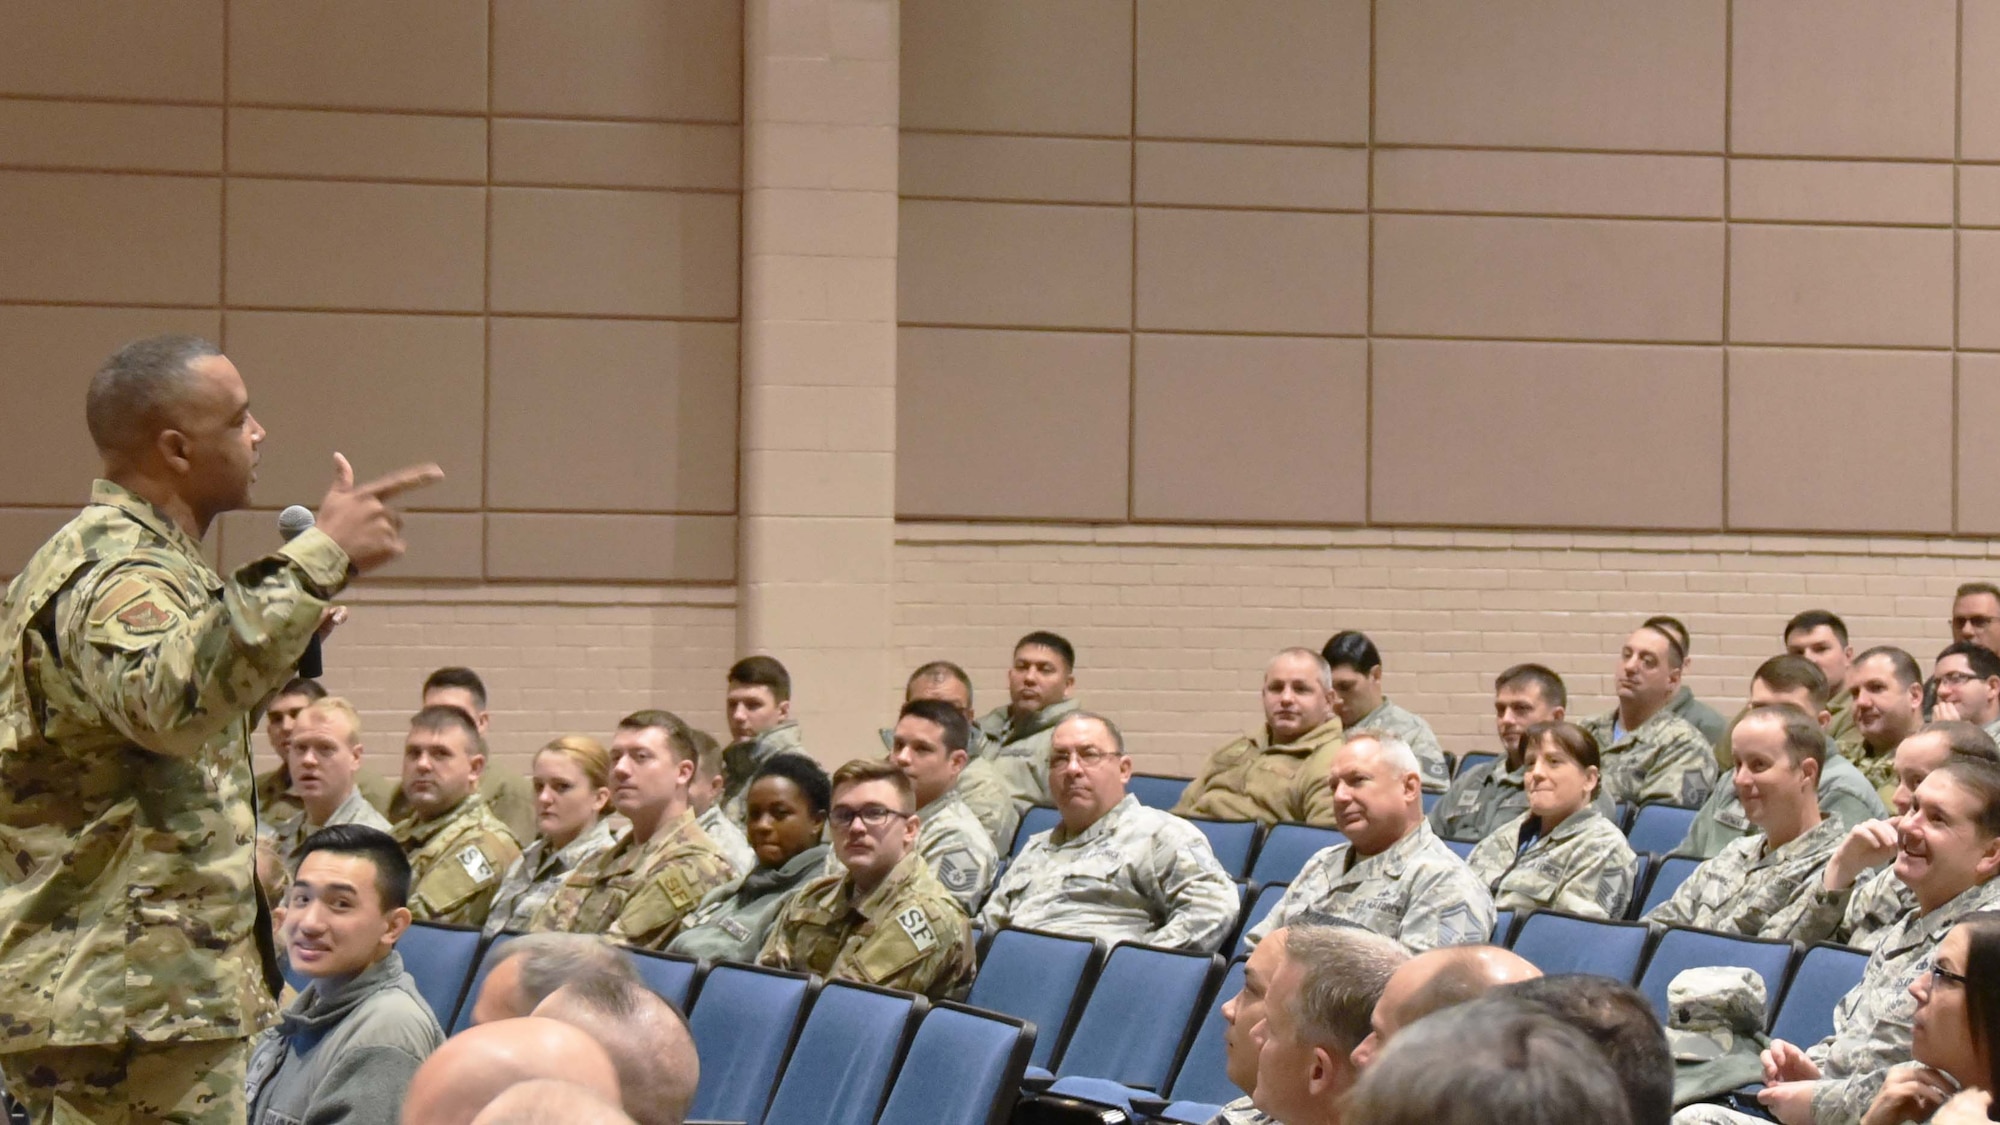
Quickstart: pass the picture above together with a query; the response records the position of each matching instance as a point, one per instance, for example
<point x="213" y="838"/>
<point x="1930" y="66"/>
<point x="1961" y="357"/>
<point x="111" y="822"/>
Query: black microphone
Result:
<point x="292" y="523"/>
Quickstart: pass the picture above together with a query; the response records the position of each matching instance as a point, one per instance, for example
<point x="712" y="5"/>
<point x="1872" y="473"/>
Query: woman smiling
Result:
<point x="1952" y="1036"/>
<point x="1562" y="854"/>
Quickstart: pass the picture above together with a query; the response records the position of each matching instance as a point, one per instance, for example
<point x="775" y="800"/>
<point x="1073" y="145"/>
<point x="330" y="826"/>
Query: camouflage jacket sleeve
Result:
<point x="1820" y="920"/>
<point x="777" y="951"/>
<point x="1682" y="771"/>
<point x="1446" y="906"/>
<point x="168" y="666"/>
<point x="923" y="948"/>
<point x="1600" y="886"/>
<point x="1200" y="899"/>
<point x="653" y="915"/>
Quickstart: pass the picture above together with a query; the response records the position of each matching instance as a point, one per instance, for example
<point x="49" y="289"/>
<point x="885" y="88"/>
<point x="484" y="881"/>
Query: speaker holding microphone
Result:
<point x="292" y="523"/>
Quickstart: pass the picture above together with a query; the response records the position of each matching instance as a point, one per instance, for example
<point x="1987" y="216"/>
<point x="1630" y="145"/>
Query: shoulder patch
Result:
<point x="474" y="862"/>
<point x="958" y="871"/>
<point x="144" y="617"/>
<point x="918" y="926"/>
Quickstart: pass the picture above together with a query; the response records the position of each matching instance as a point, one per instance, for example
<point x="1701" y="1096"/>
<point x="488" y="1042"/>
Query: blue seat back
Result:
<point x="671" y="975"/>
<point x="1137" y="1016"/>
<point x="1642" y="867"/>
<point x="1621" y="815"/>
<point x="1659" y="828"/>
<point x="1680" y="949"/>
<point x="1503" y="926"/>
<point x="963" y="1068"/>
<point x="1286" y="849"/>
<point x="1041" y="978"/>
<point x="1038" y="818"/>
<point x="1826" y="974"/>
<point x="1430" y="801"/>
<point x="1461" y="848"/>
<point x="1231" y="840"/>
<point x="440" y="959"/>
<point x="1203" y="1075"/>
<point x="840" y="1069"/>
<point x="743" y="1029"/>
<point x="464" y="1019"/>
<point x="1668" y="875"/>
<point x="1563" y="943"/>
<point x="1467" y="761"/>
<point x="1266" y="900"/>
<point x="1157" y="791"/>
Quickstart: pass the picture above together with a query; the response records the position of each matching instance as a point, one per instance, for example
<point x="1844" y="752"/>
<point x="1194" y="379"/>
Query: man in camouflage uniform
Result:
<point x="1358" y="700"/>
<point x="1486" y="795"/>
<point x="275" y="800"/>
<point x="1821" y="637"/>
<point x="705" y="798"/>
<point x="458" y="849"/>
<point x="1113" y="868"/>
<point x="1393" y="876"/>
<point x="642" y="888"/>
<point x="1648" y="752"/>
<point x="1758" y="885"/>
<point x="509" y="794"/>
<point x="1279" y="772"/>
<point x="1844" y="794"/>
<point x="1888" y="708"/>
<point x="135" y="952"/>
<point x="759" y="707"/>
<point x="325" y="753"/>
<point x="885" y="920"/>
<point x="1949" y="859"/>
<point x="981" y="786"/>
<point x="928" y="745"/>
<point x="1241" y="1014"/>
<point x="1699" y="715"/>
<point x="1039" y="681"/>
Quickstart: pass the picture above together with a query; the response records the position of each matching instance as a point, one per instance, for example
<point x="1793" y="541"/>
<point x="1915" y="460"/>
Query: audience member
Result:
<point x="275" y="800"/>
<point x="1322" y="992"/>
<point x="1821" y="637"/>
<point x="1242" y="1015"/>
<point x="526" y="970"/>
<point x="1562" y="854"/>
<point x="458" y="849"/>
<point x="1485" y="795"/>
<point x="1112" y="868"/>
<point x="1975" y="615"/>
<point x="759" y="707"/>
<point x="1618" y="1020"/>
<point x="1759" y="885"/>
<point x="1039" y="680"/>
<point x="1393" y="875"/>
<point x="705" y="798"/>
<point x="1888" y="708"/>
<point x="1967" y="676"/>
<point x="347" y="1047"/>
<point x="475" y="1066"/>
<point x="646" y="1038"/>
<point x="1844" y="794"/>
<point x="1954" y="1029"/>
<point x="1490" y="1062"/>
<point x="1279" y="771"/>
<point x="885" y="920"/>
<point x="507" y="793"/>
<point x="1650" y="753"/>
<point x="1432" y="981"/>
<point x="1699" y="715"/>
<point x="928" y="745"/>
<point x="324" y="754"/>
<point x="1357" y="698"/>
<point x="981" y="786"/>
<point x="788" y="802"/>
<point x="638" y="890"/>
<point x="572" y="779"/>
<point x="550" y="1101"/>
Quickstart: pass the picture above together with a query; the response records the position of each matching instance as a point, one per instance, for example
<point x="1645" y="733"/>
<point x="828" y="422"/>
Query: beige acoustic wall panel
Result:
<point x="1014" y="265"/>
<point x="615" y="253"/>
<point x="1979" y="293"/>
<point x="1252" y="271"/>
<point x="1824" y="440"/>
<point x="448" y="546"/>
<point x="1843" y="78"/>
<point x="1012" y="425"/>
<point x="168" y="50"/>
<point x="1626" y="185"/>
<point x="110" y="137"/>
<point x="111" y="239"/>
<point x="337" y="144"/>
<point x="375" y="54"/>
<point x="1599" y="74"/>
<point x="1840" y="285"/>
<point x="1241" y="429"/>
<point x="680" y="61"/>
<point x="299" y="243"/>
<point x="1979" y="80"/>
<point x="1265" y="70"/>
<point x="1559" y="435"/>
<point x="629" y="154"/>
<point x="1978" y="453"/>
<point x="1025" y="66"/>
<point x="604" y="548"/>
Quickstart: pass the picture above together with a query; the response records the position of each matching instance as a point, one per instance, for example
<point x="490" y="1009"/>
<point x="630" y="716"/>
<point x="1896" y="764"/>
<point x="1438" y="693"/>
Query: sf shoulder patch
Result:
<point x="474" y="862"/>
<point x="918" y="926"/>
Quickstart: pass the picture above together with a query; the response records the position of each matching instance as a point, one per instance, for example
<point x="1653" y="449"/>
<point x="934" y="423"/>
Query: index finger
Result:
<point x="402" y="480"/>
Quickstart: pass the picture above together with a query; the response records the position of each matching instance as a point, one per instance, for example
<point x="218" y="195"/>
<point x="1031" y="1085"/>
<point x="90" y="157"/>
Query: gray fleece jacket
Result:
<point x="343" y="1054"/>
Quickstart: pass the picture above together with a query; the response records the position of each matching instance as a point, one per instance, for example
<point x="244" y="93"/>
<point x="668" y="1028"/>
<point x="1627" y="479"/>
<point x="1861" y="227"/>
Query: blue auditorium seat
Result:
<point x="1659" y="828"/>
<point x="1231" y="840"/>
<point x="440" y="959"/>
<point x="1286" y="849"/>
<point x="840" y="1068"/>
<point x="1157" y="791"/>
<point x="743" y="1027"/>
<point x="1137" y="1018"/>
<point x="1564" y="943"/>
<point x="486" y="959"/>
<point x="1668" y="875"/>
<point x="1041" y="978"/>
<point x="1038" y="818"/>
<point x="672" y="975"/>
<point x="1267" y="899"/>
<point x="963" y="1068"/>
<point x="1680" y="949"/>
<point x="1826" y="974"/>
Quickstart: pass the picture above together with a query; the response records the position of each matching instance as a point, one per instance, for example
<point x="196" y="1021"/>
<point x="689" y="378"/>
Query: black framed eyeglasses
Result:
<point x="1940" y="973"/>
<point x="870" y="816"/>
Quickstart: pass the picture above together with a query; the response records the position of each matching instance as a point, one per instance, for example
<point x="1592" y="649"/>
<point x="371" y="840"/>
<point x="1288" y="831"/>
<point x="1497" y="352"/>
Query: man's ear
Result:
<point x="1556" y="715"/>
<point x="1327" y="1075"/>
<point x="172" y="446"/>
<point x="397" y="921"/>
<point x="478" y="762"/>
<point x="784" y="710"/>
<point x="1989" y="859"/>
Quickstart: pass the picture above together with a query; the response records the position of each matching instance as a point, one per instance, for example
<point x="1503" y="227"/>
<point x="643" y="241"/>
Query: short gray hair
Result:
<point x="551" y="960"/>
<point x="131" y="396"/>
<point x="1324" y="669"/>
<point x="1395" y="751"/>
<point x="1493" y="1061"/>
<point x="1345" y="969"/>
<point x="1110" y="728"/>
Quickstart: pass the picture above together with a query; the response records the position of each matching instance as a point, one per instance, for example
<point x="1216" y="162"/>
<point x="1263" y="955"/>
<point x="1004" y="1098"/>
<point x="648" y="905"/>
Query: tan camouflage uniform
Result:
<point x="638" y="893"/>
<point x="456" y="861"/>
<point x="276" y="802"/>
<point x="1666" y="759"/>
<point x="729" y="839"/>
<point x="740" y="760"/>
<point x="1844" y="795"/>
<point x="1479" y="800"/>
<point x="1416" y="891"/>
<point x="1019" y="749"/>
<point x="135" y="955"/>
<point x="1745" y="890"/>
<point x="1861" y="915"/>
<point x="1138" y="874"/>
<point x="533" y="878"/>
<point x="908" y="933"/>
<point x="1879" y="769"/>
<point x="1252" y="779"/>
<point x="1393" y="720"/>
<point x="1583" y="867"/>
<point x="509" y="796"/>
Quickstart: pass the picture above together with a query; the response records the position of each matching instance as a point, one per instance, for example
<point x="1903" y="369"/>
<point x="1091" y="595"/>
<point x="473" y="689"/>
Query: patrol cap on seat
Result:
<point x="1714" y="1010"/>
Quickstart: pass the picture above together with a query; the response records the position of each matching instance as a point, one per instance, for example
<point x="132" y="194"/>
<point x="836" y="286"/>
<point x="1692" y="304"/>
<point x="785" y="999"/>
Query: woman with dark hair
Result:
<point x="1562" y="854"/>
<point x="1956" y="1027"/>
<point x="786" y="806"/>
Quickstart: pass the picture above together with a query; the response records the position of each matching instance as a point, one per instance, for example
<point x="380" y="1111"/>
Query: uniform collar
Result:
<point x="876" y="906"/>
<point x="1103" y="825"/>
<point x="1014" y="729"/>
<point x="148" y="514"/>
<point x="949" y="798"/>
<point x="422" y="831"/>
<point x="1392" y="859"/>
<point x="1317" y="738"/>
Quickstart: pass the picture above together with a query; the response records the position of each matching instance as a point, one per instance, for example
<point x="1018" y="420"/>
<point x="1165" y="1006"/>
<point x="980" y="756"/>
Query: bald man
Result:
<point x="548" y="1101"/>
<point x="1433" y="981"/>
<point x="476" y="1065"/>
<point x="646" y="1038"/>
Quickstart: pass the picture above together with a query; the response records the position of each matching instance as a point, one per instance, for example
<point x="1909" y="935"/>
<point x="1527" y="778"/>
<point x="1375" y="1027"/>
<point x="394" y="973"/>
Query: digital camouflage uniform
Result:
<point x="1019" y="748"/>
<point x="1138" y="874"/>
<point x="638" y="893"/>
<point x="456" y="861"/>
<point x="1666" y="759"/>
<point x="1416" y="891"/>
<point x="1393" y="720"/>
<point x="1841" y="732"/>
<point x="729" y="839"/>
<point x="1745" y="891"/>
<point x="982" y="787"/>
<point x="288" y="834"/>
<point x="509" y="797"/>
<point x="1485" y="796"/>
<point x="907" y="933"/>
<point x="1844" y="795"/>
<point x="1242" y="1111"/>
<point x="1699" y="715"/>
<point x="1583" y="867"/>
<point x="741" y="759"/>
<point x="135" y="957"/>
<point x="1861" y="915"/>
<point x="1879" y="769"/>
<point x="534" y="877"/>
<point x="1715" y="1029"/>
<point x="1253" y="779"/>
<point x="955" y="845"/>
<point x="277" y="803"/>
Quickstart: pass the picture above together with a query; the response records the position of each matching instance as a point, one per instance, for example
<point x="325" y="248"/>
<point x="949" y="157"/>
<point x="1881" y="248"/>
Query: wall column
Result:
<point x="818" y="488"/>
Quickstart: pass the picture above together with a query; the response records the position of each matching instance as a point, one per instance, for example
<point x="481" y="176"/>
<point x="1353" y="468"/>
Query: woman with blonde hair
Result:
<point x="572" y="789"/>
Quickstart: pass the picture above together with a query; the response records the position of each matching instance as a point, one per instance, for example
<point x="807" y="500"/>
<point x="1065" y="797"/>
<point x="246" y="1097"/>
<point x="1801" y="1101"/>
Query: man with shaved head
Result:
<point x="1277" y="772"/>
<point x="550" y="1101"/>
<point x="527" y="969"/>
<point x="1433" y="981"/>
<point x="476" y="1065"/>
<point x="647" y="1040"/>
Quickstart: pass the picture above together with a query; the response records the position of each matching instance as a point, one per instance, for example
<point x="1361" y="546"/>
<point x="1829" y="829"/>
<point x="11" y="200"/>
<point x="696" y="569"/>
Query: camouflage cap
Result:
<point x="1713" y="1011"/>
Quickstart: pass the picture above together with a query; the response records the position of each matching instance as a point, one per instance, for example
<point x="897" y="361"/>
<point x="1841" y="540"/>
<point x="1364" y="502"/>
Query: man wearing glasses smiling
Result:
<point x="886" y="920"/>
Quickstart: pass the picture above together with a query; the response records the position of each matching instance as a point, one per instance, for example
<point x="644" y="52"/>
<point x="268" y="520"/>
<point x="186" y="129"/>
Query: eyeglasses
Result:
<point x="1973" y="622"/>
<point x="870" y="816"/>
<point x="1088" y="757"/>
<point x="1940" y="973"/>
<point x="1956" y="679"/>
